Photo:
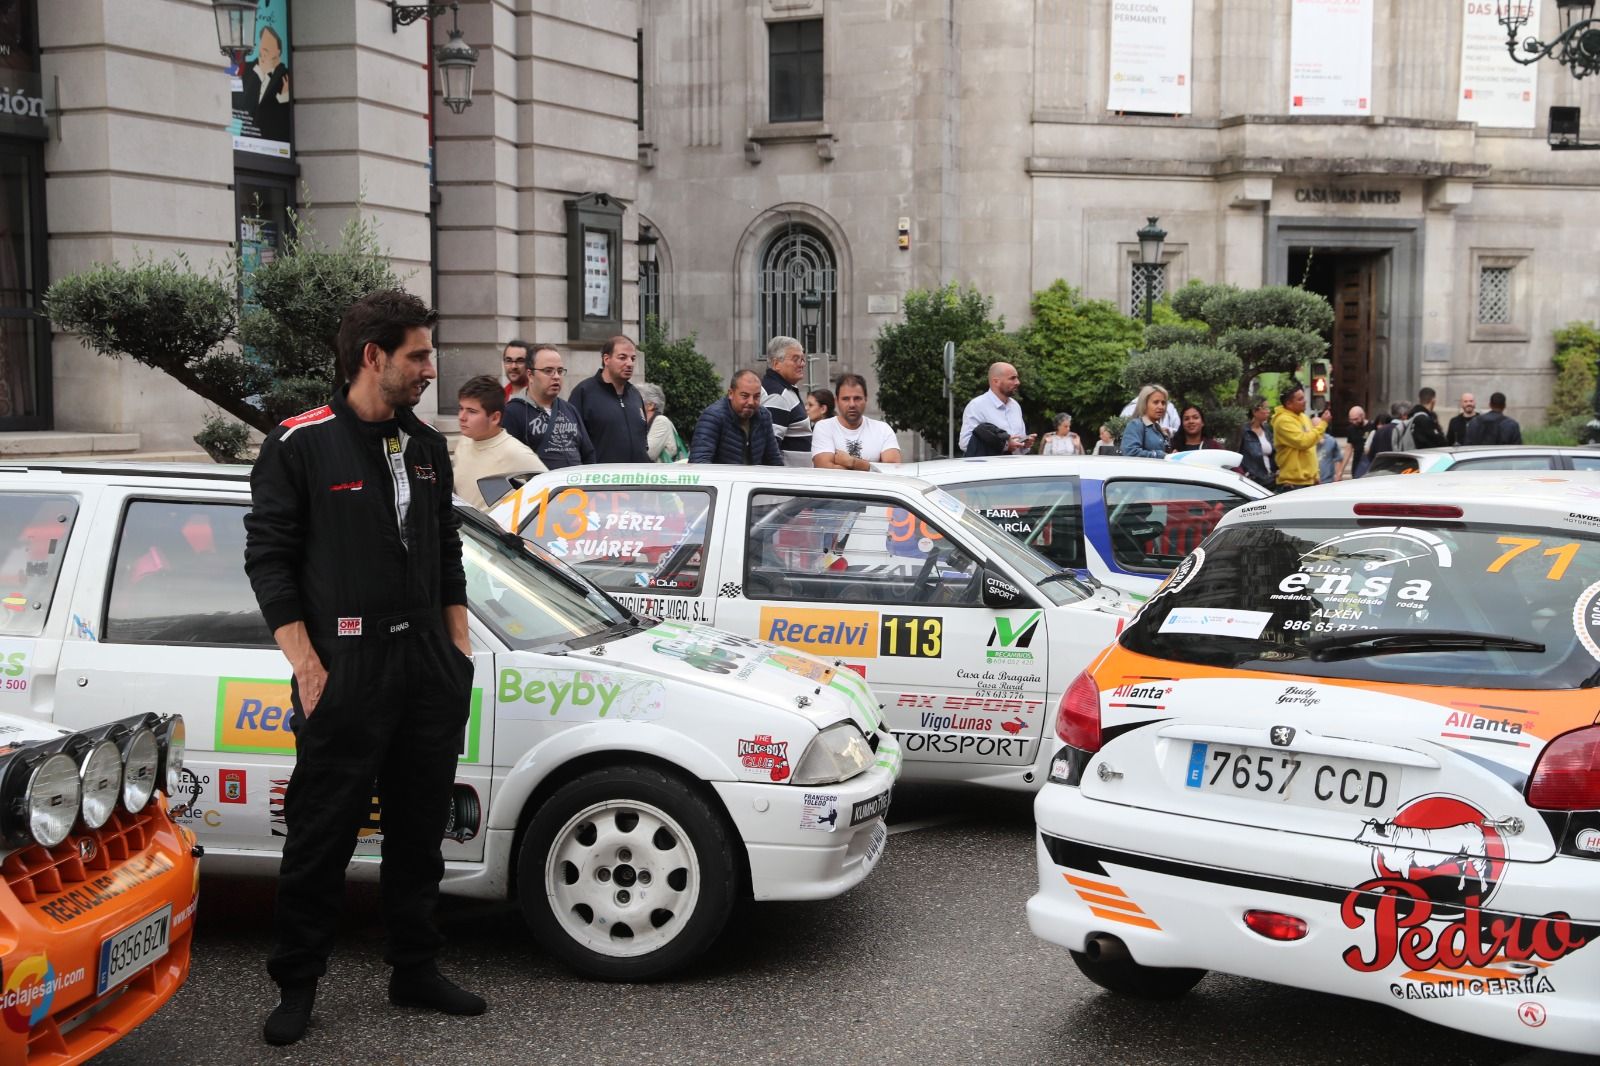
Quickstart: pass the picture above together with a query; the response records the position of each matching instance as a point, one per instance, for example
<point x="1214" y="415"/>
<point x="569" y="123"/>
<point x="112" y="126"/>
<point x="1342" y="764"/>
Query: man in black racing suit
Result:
<point x="353" y="549"/>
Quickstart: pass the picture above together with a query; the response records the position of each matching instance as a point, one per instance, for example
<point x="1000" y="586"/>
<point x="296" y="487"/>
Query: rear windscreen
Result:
<point x="1455" y="604"/>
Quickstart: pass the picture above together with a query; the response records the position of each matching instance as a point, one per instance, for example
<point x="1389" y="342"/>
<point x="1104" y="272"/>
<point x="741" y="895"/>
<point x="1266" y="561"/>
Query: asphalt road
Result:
<point x="928" y="962"/>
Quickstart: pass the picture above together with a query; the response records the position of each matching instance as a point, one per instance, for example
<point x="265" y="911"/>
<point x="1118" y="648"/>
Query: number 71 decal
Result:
<point x="1562" y="553"/>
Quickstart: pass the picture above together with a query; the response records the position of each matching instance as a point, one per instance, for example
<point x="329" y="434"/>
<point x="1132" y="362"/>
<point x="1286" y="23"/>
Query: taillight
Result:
<point x="1275" y="926"/>
<point x="1078" y="718"/>
<point x="1567" y="775"/>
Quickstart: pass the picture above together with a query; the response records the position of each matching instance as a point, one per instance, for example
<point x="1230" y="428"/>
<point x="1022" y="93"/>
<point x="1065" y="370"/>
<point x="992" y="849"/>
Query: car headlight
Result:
<point x="173" y="749"/>
<point x="100" y="770"/>
<point x="141" y="759"/>
<point x="52" y="798"/>
<point x="838" y="753"/>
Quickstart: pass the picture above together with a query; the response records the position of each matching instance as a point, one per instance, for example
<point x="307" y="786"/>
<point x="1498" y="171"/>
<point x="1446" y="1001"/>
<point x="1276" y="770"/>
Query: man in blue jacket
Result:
<point x="611" y="408"/>
<point x="737" y="430"/>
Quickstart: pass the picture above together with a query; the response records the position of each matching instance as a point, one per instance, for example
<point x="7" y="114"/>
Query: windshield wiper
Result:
<point x="1067" y="577"/>
<point x="1395" y="642"/>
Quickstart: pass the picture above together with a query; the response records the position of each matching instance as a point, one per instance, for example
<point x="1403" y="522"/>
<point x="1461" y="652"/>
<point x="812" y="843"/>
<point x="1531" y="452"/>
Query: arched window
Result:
<point x="797" y="259"/>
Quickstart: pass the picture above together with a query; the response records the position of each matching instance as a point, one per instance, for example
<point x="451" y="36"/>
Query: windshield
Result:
<point x="1029" y="564"/>
<point x="529" y="601"/>
<point x="1458" y="604"/>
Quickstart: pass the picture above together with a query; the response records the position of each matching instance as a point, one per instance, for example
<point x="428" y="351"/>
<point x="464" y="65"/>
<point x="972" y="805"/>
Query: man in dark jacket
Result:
<point x="353" y="549"/>
<point x="542" y="420"/>
<point x="1456" y="432"/>
<point x="611" y="408"/>
<point x="736" y="430"/>
<point x="1493" y="426"/>
<point x="1426" y="431"/>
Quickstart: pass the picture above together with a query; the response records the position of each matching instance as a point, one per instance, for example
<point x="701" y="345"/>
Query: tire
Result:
<point x="627" y="874"/>
<point x="1128" y="978"/>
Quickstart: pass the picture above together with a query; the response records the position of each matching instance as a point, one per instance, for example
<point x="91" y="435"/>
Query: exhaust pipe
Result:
<point x="1103" y="947"/>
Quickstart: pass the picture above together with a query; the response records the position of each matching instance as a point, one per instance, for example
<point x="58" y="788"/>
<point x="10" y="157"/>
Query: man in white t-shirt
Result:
<point x="851" y="440"/>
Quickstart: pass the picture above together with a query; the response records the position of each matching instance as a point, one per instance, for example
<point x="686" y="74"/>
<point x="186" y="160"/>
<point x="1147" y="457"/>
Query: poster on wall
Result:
<point x="1151" y="51"/>
<point x="1330" y="58"/>
<point x="1495" y="89"/>
<point x="261" y="87"/>
<point x="21" y="95"/>
<point x="596" y="273"/>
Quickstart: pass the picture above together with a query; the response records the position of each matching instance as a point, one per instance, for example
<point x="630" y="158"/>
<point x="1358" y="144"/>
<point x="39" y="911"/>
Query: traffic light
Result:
<point x="1319" y="379"/>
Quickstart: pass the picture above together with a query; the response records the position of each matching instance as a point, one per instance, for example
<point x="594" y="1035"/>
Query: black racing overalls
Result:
<point x="353" y="532"/>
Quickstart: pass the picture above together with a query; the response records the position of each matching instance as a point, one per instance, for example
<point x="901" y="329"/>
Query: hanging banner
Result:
<point x="1151" y="50"/>
<point x="1495" y="89"/>
<point x="261" y="101"/>
<point x="1330" y="58"/>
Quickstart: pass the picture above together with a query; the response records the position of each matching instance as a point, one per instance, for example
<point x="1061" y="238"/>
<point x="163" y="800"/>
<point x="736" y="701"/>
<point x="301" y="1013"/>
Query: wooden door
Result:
<point x="1354" y="309"/>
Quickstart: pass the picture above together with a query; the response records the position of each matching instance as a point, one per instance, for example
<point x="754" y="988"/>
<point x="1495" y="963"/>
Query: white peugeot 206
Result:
<point x="625" y="780"/>
<point x="1352" y="745"/>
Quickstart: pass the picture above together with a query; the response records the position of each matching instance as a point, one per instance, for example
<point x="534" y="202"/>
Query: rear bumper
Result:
<point x="1145" y="878"/>
<point x="788" y="860"/>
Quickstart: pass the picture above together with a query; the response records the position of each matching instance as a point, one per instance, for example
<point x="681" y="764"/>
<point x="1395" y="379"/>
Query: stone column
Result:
<point x="143" y="166"/>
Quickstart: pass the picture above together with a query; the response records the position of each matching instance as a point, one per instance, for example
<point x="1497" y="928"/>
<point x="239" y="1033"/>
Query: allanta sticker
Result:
<point x="819" y="811"/>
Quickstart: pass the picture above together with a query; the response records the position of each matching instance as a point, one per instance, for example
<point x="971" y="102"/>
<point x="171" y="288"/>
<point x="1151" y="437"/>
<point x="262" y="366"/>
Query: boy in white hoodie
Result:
<point x="485" y="448"/>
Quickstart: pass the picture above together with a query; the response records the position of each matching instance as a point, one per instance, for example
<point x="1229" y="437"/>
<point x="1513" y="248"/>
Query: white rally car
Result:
<point x="967" y="637"/>
<point x="625" y="780"/>
<point x="1353" y="745"/>
<point x="1125" y="522"/>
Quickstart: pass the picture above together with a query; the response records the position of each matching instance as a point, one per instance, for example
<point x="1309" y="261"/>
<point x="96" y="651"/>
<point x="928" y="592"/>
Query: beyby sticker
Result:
<point x="763" y="753"/>
<point x="577" y="696"/>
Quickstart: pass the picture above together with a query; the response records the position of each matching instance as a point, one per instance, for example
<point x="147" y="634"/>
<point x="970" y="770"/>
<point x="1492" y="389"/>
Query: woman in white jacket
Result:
<point x="662" y="443"/>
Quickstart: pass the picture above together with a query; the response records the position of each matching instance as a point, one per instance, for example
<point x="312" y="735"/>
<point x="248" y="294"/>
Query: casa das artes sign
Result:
<point x="1327" y="194"/>
<point x="21" y="95"/>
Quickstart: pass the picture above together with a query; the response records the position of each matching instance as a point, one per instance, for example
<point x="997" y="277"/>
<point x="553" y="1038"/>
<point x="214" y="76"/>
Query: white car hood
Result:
<point x="16" y="730"/>
<point x="748" y="669"/>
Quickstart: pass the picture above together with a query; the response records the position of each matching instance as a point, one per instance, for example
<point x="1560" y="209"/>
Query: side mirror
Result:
<point x="1000" y="594"/>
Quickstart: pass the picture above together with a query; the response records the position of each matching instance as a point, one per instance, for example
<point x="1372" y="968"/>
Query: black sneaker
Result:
<point x="288" y="1021"/>
<point x="426" y="988"/>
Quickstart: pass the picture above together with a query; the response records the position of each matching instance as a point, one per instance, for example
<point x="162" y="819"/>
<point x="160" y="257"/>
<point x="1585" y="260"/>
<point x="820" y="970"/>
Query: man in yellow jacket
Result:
<point x="1295" y="438"/>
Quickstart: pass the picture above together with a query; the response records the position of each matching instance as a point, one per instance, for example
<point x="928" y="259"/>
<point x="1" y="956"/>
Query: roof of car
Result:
<point x="1501" y="449"/>
<point x="1098" y="467"/>
<point x="108" y="469"/>
<point x="685" y="474"/>
<point x="1500" y="494"/>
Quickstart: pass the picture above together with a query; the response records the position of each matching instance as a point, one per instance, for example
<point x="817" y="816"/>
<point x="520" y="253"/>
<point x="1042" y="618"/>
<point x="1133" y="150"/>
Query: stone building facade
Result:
<point x="750" y="150"/>
<point x="1451" y="251"/>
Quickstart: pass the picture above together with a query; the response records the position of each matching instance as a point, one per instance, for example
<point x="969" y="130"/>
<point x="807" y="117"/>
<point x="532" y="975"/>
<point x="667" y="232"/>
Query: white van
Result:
<point x="625" y="779"/>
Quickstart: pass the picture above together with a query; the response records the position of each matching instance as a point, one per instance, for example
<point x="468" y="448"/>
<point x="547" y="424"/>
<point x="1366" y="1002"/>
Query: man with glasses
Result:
<point x="786" y="368"/>
<point x="542" y="420"/>
<point x="514" y="361"/>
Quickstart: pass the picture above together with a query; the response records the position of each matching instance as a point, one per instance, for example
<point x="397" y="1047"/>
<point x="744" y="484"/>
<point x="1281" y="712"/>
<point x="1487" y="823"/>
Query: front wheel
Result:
<point x="1127" y="977"/>
<point x="627" y="874"/>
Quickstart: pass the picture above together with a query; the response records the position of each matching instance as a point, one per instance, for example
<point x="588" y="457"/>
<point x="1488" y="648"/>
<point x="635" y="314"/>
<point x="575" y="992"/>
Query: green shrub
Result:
<point x="1567" y="431"/>
<point x="687" y="379"/>
<point x="910" y="362"/>
<point x="224" y="441"/>
<point x="1577" y="346"/>
<point x="1079" y="350"/>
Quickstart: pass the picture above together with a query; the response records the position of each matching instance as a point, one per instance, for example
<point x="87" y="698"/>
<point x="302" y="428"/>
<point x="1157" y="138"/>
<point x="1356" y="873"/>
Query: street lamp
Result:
<point x="1576" y="47"/>
<point x="810" y="317"/>
<point x="455" y="59"/>
<point x="1151" y="240"/>
<point x="236" y="25"/>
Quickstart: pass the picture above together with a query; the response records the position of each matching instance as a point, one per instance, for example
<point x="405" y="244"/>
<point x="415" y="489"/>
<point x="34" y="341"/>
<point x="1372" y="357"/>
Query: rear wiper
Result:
<point x="1368" y="642"/>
